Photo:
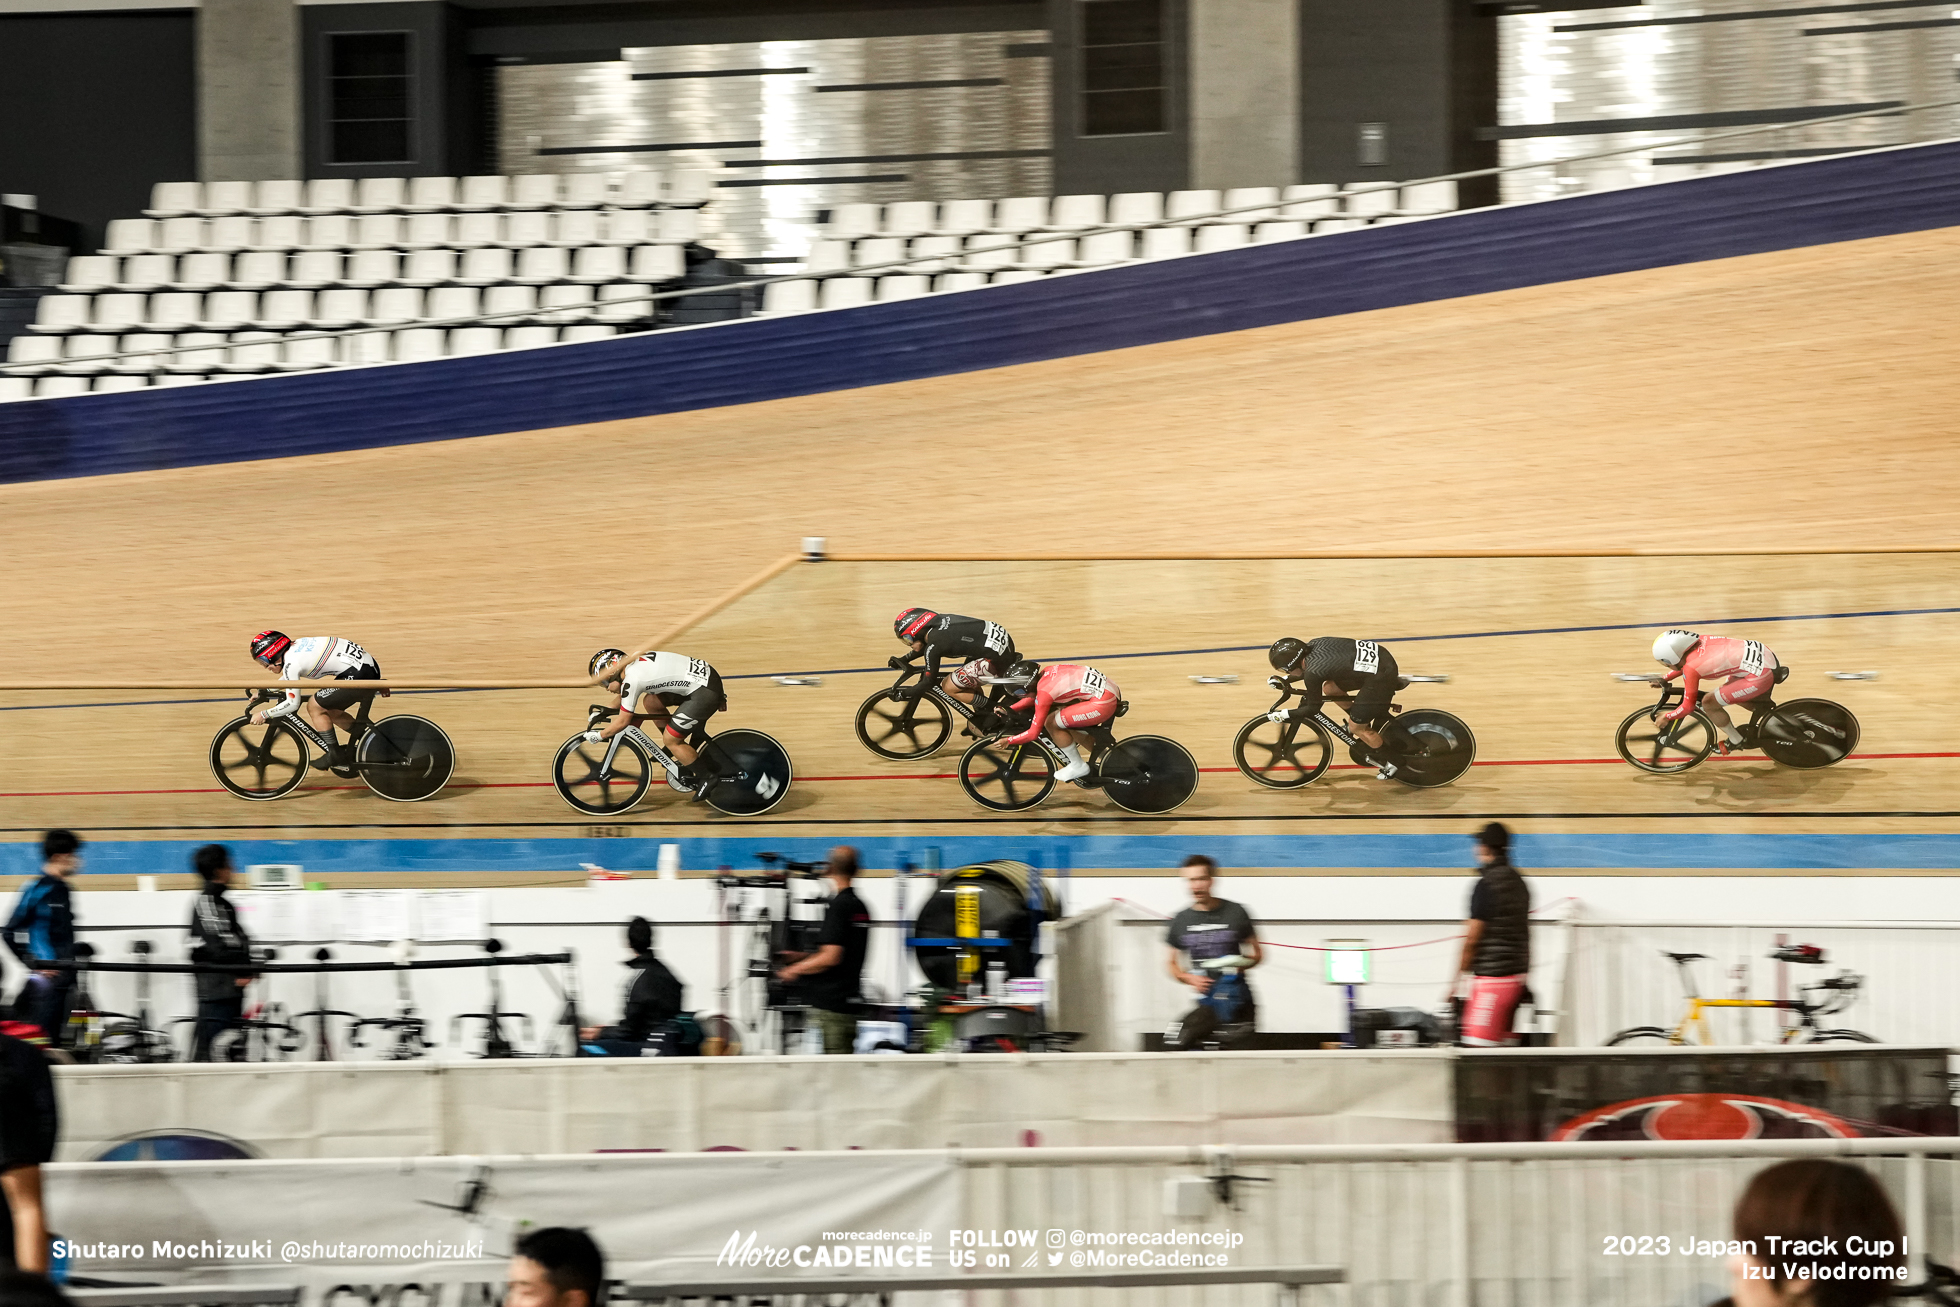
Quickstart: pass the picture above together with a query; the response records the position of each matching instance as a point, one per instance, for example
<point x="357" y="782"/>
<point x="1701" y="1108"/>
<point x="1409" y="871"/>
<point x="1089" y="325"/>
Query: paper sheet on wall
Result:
<point x="453" y="916"/>
<point x="377" y="916"/>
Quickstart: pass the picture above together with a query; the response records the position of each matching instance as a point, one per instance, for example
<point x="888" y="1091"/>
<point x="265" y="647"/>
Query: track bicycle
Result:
<point x="918" y="725"/>
<point x="1804" y="733"/>
<point x="1425" y="746"/>
<point x="403" y="758"/>
<point x="1143" y="773"/>
<point x="1836" y="994"/>
<point x="747" y="772"/>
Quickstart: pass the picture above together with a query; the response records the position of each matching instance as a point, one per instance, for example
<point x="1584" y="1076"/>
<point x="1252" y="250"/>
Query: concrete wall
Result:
<point x="248" y="124"/>
<point x="1245" y="92"/>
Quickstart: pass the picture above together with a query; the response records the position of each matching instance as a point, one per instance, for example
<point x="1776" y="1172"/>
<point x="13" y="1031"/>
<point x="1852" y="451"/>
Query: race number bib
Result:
<point x="996" y="638"/>
<point x="1093" y="683"/>
<point x="1367" y="656"/>
<point x="1752" y="657"/>
<point x="698" y="670"/>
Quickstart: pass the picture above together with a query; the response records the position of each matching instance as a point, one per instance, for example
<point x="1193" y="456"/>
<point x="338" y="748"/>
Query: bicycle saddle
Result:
<point x="1686" y="957"/>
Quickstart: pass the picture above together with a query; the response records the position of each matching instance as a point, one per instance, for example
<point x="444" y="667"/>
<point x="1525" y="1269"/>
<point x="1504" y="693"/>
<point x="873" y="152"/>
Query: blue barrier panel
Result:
<point x="1486" y="250"/>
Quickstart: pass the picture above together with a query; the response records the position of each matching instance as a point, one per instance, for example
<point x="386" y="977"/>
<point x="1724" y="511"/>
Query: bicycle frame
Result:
<point x="666" y="760"/>
<point x="1327" y="723"/>
<point x="361" y="723"/>
<point x="1807" y="1013"/>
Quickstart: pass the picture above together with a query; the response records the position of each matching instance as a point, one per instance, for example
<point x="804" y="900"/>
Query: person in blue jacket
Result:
<point x="43" y="927"/>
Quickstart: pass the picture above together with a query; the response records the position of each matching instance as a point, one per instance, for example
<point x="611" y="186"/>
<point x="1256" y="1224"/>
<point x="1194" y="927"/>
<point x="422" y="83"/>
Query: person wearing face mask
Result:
<point x="654" y="1001"/>
<point x="1824" y="1235"/>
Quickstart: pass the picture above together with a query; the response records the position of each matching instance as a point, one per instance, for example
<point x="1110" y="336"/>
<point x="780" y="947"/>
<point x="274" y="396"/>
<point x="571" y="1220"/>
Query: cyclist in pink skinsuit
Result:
<point x="1079" y="696"/>
<point x="1749" y="665"/>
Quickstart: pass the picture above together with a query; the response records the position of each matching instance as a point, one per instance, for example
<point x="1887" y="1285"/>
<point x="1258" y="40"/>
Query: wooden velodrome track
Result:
<point x="1796" y="401"/>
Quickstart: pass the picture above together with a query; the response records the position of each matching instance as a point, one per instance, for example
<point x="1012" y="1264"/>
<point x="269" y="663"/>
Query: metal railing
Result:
<point x="1183" y="220"/>
<point x="1285" y="1279"/>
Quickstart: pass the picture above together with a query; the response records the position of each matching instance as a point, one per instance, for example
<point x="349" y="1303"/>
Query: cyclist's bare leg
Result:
<point x="321" y="719"/>
<point x="684" y="753"/>
<point x="1712" y="706"/>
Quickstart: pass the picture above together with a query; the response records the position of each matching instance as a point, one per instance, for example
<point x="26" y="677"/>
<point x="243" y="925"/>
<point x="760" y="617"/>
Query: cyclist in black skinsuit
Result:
<point x="1332" y="664"/>
<point x="980" y="648"/>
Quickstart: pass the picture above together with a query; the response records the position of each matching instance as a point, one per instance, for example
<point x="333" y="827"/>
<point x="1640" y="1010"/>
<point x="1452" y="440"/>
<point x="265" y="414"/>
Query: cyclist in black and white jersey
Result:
<point x="677" y="692"/>
<point x="1331" y="665"/>
<point x="979" y="648"/>
<point x="318" y="657"/>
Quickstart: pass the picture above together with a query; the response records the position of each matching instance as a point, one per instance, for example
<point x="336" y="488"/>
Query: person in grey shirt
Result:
<point x="1211" y="929"/>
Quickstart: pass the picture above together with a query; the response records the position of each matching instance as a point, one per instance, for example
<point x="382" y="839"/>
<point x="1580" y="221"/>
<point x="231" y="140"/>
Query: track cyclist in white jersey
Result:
<point x="318" y="657"/>
<point x="675" y="691"/>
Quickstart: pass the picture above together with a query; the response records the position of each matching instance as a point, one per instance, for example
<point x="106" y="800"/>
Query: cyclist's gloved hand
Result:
<point x="1280" y="715"/>
<point x="1277" y="682"/>
<point x="895" y="662"/>
<point x="595" y="737"/>
<point x="1678" y="713"/>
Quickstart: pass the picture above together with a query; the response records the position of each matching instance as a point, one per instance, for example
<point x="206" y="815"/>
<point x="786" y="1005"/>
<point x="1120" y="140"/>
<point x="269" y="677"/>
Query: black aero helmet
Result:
<point x="268" y="647"/>
<point x="603" y="659"/>
<point x="1286" y="652"/>
<point x="1024" y="673"/>
<point x="912" y="623"/>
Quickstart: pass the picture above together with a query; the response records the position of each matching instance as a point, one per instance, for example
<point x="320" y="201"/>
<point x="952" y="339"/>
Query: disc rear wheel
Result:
<point x="1148" y="773"/>
<point x="1435" y="747"/>
<point x="405" y="758"/>
<point x="752" y="772"/>
<point x="1808" y="733"/>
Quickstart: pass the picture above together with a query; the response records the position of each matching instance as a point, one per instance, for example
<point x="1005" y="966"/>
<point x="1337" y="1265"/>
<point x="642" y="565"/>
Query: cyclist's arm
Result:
<point x="623" y="717"/>
<point x="1042" y="703"/>
<point x="1690" y="692"/>
<point x="286" y="707"/>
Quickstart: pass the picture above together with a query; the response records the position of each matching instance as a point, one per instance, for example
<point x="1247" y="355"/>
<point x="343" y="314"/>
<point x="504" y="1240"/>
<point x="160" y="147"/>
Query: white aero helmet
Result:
<point x="1672" y="646"/>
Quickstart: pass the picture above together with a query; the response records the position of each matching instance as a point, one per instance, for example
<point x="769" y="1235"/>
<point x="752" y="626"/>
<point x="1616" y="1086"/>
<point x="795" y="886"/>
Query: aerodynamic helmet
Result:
<point x="603" y="659"/>
<point x="1286" y="652"/>
<point x="1672" y="646"/>
<point x="912" y="623"/>
<point x="269" y="647"/>
<point x="1024" y="673"/>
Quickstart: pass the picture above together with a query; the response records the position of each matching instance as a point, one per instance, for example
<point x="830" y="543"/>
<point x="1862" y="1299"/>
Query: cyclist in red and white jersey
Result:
<point x="1078" y="696"/>
<point x="317" y="657"/>
<point x="678" y="693"/>
<point x="1749" y="666"/>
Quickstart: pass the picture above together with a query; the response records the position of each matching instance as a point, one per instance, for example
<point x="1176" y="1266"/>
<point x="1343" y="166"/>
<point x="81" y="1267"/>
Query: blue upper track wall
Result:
<point x="1473" y="253"/>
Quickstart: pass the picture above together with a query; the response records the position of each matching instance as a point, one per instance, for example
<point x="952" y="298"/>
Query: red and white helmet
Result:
<point x="269" y="647"/>
<point x="913" y="622"/>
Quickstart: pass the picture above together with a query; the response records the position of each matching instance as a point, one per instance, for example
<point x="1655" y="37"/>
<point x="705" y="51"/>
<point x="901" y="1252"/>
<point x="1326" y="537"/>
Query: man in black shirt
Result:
<point x="654" y="997"/>
<point x="43" y="926"/>
<point x="1330" y="666"/>
<point x="28" y="1123"/>
<point x="1496" y="942"/>
<point x="1209" y="930"/>
<point x="218" y="938"/>
<point x="834" y="970"/>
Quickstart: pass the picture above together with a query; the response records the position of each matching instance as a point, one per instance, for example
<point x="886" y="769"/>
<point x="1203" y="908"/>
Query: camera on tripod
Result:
<point x="777" y="874"/>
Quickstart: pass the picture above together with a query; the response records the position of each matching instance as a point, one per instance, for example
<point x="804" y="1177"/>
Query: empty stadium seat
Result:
<point x="510" y="300"/>
<point x="380" y="194"/>
<point x="845" y="292"/>
<point x="393" y="304"/>
<point x="340" y="306"/>
<point x="1311" y="200"/>
<point x="197" y="351"/>
<point x="276" y="197"/>
<point x="175" y="309"/>
<point x="1221" y="236"/>
<point x="62" y="313"/>
<point x="487" y="264"/>
<point x="789" y="297"/>
<point x="15" y="387"/>
<point x="1138" y="206"/>
<point x="575" y="227"/>
<point x="205" y="270"/>
<point x="366" y="347"/>
<point x="482" y="193"/>
<point x="418" y="344"/>
<point x="526" y="227"/>
<point x="257" y="269"/>
<point x="850" y="221"/>
<point x="678" y="226"/>
<point x="129" y="236"/>
<point x="308" y="352"/>
<point x="1013" y="276"/>
<point x="475" y="340"/>
<point x="87" y="272"/>
<point x="1429" y="197"/>
<point x="624" y="301"/>
<point x="911" y="218"/>
<point x="140" y="344"/>
<point x="626" y="227"/>
<point x="597" y="263"/>
<point x="427" y="231"/>
<point x="38" y="352"/>
<point x="960" y="281"/>
<point x="284" y="310"/>
<point x="119" y="312"/>
<point x="537" y="190"/>
<point x="234" y="232"/>
<point x="1020" y="213"/>
<point x="1073" y="212"/>
<point x="146" y="271"/>
<point x="584" y="190"/>
<point x="429" y="193"/>
<point x="446" y="302"/>
<point x="877" y="250"/>
<point x="1369" y="200"/>
<point x="225" y="197"/>
<point x="1165" y="242"/>
<point x="1048" y="254"/>
<point x="228" y="310"/>
<point x="690" y="186"/>
<point x="179" y="235"/>
<point x="1338" y="224"/>
<point x="332" y="231"/>
<point x="1106" y="247"/>
<point x="1240" y="196"/>
<point x="429" y="267"/>
<point x="588" y="331"/>
<point x="640" y="189"/>
<point x="947" y="245"/>
<point x="313" y="268"/>
<point x="658" y="263"/>
<point x="903" y="286"/>
<point x="177" y="379"/>
<point x="989" y="252"/>
<point x="377" y="231"/>
<point x="565" y="302"/>
<point x="530" y="337"/>
<point x="328" y="195"/>
<point x="175" y="199"/>
<point x="964" y="217"/>
<point x="283" y="231"/>
<point x="372" y="268"/>
<point x="474" y="230"/>
<point x="109" y="385"/>
<point x="60" y="387"/>
<point x="253" y="352"/>
<point x="87" y="355"/>
<point x="828" y="256"/>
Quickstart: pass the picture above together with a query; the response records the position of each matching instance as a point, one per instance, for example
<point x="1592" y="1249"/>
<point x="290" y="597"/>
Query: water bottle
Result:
<point x="996" y="980"/>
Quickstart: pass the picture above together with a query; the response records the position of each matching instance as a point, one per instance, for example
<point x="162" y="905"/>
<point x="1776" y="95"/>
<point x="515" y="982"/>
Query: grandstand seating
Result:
<point x="242" y="271"/>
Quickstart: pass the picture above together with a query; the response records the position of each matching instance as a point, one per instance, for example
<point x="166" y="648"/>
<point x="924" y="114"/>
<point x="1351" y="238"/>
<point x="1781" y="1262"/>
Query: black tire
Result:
<point x="1148" y="773"/>
<point x="1808" y="733"/>
<point x="259" y="762"/>
<point x="1640" y="1035"/>
<point x="1282" y="756"/>
<point x="1436" y="747"/>
<point x="752" y="772"/>
<point x="1006" y="778"/>
<point x="575" y="774"/>
<point x="901" y="730"/>
<point x="1664" y="748"/>
<point x="1841" y="1037"/>
<point x="405" y="759"/>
